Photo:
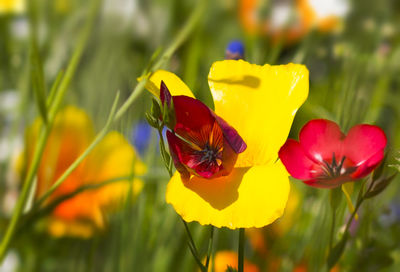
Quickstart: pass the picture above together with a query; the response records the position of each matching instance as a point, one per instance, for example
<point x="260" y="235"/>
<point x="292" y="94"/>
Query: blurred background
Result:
<point x="110" y="214"/>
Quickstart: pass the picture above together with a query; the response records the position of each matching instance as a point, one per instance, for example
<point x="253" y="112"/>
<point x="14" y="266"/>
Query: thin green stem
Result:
<point x="44" y="133"/>
<point x="193" y="250"/>
<point x="73" y="64"/>
<point x="192" y="245"/>
<point x="210" y="245"/>
<point x="332" y="229"/>
<point x="56" y="100"/>
<point x="176" y="43"/>
<point x="241" y="250"/>
<point x="24" y="194"/>
<point x="122" y="110"/>
<point x="75" y="164"/>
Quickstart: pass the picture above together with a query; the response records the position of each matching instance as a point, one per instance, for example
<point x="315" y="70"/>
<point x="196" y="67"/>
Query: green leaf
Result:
<point x="379" y="186"/>
<point x="337" y="251"/>
<point x="379" y="170"/>
<point x="54" y="89"/>
<point x="164" y="154"/>
<point x="152" y="122"/>
<point x="37" y="79"/>
<point x="155" y="109"/>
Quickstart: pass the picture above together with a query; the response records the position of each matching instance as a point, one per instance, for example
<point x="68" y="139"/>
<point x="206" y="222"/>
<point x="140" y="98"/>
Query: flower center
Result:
<point x="210" y="155"/>
<point x="335" y="169"/>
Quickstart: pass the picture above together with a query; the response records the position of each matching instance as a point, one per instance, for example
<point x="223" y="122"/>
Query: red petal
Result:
<point x="229" y="157"/>
<point x="364" y="144"/>
<point x="367" y="167"/>
<point x="321" y="138"/>
<point x="327" y="183"/>
<point x="194" y="120"/>
<point x="184" y="155"/>
<point x="174" y="144"/>
<point x="231" y="135"/>
<point x="165" y="95"/>
<point x="295" y="160"/>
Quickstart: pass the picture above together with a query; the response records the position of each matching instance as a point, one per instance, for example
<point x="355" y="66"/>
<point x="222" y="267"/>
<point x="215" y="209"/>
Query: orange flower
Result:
<point x="225" y="259"/>
<point x="289" y="21"/>
<point x="113" y="160"/>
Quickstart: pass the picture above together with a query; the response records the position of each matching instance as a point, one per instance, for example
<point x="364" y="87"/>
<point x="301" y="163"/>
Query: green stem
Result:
<point x="44" y="133"/>
<point x="332" y="229"/>
<point x="73" y="64"/>
<point x="122" y="110"/>
<point x="241" y="250"/>
<point x="24" y="194"/>
<point x="56" y="102"/>
<point x="210" y="244"/>
<point x="176" y="43"/>
<point x="75" y="164"/>
<point x="193" y="248"/>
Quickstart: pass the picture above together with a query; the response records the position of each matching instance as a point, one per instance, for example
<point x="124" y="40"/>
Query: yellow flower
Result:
<point x="113" y="158"/>
<point x="12" y="6"/>
<point x="260" y="103"/>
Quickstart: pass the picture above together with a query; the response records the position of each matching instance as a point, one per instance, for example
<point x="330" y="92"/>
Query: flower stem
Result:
<point x="210" y="244"/>
<point x="193" y="248"/>
<point x="332" y="229"/>
<point x="75" y="164"/>
<point x="45" y="132"/>
<point x="168" y="165"/>
<point x="241" y="250"/>
<point x="175" y="44"/>
<point x="115" y="115"/>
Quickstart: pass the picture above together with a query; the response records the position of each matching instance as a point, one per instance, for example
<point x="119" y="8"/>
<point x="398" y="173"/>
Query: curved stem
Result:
<point x="193" y="248"/>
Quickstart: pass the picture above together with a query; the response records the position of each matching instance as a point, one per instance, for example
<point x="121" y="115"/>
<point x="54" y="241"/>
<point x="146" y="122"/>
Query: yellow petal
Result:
<point x="175" y="85"/>
<point x="259" y="102"/>
<point x="12" y="6"/>
<point x="248" y="197"/>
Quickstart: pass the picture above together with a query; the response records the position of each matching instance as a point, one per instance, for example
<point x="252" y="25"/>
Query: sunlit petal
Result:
<point x="174" y="84"/>
<point x="248" y="197"/>
<point x="259" y="102"/>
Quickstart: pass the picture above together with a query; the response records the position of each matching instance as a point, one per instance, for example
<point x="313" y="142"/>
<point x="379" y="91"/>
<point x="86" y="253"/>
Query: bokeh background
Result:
<point x="351" y="48"/>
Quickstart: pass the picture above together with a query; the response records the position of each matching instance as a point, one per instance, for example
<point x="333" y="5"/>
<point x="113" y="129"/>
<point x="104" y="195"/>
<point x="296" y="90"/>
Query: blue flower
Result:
<point x="235" y="50"/>
<point x="141" y="136"/>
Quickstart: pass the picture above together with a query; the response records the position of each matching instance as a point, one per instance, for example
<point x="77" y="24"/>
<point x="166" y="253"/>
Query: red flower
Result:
<point x="325" y="157"/>
<point x="201" y="143"/>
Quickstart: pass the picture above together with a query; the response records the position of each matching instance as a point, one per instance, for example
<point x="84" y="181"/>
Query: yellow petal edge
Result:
<point x="248" y="197"/>
<point x="260" y="102"/>
<point x="174" y="84"/>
